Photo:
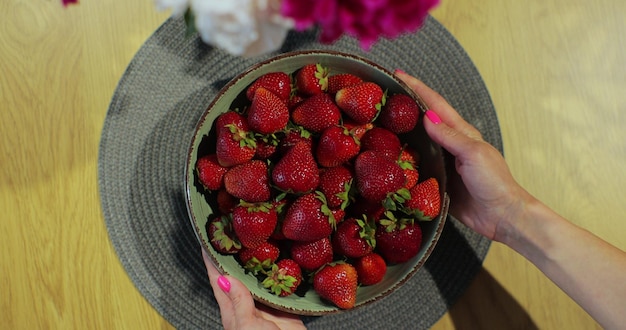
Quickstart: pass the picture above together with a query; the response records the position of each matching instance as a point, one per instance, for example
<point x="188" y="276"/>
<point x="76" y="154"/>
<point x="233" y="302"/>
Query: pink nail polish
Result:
<point x="223" y="283"/>
<point x="433" y="117"/>
<point x="400" y="71"/>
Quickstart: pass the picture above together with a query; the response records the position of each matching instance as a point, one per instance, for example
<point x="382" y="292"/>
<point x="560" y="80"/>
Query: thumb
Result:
<point x="451" y="139"/>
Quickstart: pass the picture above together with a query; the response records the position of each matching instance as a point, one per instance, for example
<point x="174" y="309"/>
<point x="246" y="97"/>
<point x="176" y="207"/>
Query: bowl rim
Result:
<point x="441" y="219"/>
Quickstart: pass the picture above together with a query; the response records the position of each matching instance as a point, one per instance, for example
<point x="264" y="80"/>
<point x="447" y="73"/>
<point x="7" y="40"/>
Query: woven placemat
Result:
<point x="146" y="135"/>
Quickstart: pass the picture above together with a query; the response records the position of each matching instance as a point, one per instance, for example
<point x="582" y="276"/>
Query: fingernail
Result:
<point x="433" y="117"/>
<point x="223" y="283"/>
<point x="400" y="71"/>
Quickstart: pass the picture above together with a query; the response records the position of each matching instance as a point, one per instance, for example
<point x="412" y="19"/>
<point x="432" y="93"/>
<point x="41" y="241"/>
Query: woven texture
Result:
<point x="146" y="135"/>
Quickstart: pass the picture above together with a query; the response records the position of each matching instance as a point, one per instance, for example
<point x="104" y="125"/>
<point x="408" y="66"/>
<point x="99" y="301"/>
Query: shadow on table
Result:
<point x="487" y="305"/>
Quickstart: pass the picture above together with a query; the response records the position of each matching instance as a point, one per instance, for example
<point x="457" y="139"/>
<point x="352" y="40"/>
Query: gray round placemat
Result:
<point x="147" y="132"/>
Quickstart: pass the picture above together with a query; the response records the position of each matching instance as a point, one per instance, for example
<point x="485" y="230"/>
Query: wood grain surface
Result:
<point x="556" y="71"/>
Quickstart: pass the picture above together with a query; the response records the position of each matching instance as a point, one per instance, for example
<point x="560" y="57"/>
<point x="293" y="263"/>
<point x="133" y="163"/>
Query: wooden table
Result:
<point x="556" y="71"/>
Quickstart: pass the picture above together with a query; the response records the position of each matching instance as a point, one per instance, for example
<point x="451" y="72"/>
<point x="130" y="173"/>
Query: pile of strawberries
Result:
<point x="313" y="185"/>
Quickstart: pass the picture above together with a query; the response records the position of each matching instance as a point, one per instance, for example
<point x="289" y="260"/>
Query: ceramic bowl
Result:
<point x="233" y="96"/>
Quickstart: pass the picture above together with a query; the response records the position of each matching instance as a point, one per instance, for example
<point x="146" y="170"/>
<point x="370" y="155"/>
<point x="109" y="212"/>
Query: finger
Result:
<point x="450" y="138"/>
<point x="222" y="298"/>
<point x="229" y="291"/>
<point x="437" y="103"/>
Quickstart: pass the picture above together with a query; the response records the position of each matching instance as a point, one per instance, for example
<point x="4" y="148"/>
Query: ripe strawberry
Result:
<point x="335" y="184"/>
<point x="259" y="258"/>
<point x="337" y="283"/>
<point x="382" y="140"/>
<point x="316" y="113"/>
<point x="361" y="206"/>
<point x="210" y="172"/>
<point x="235" y="143"/>
<point x="308" y="218"/>
<point x="358" y="130"/>
<point x="293" y="136"/>
<point x="266" y="146"/>
<point x="278" y="83"/>
<point x="341" y="81"/>
<point x="400" y="114"/>
<point x="225" y="201"/>
<point x="412" y="176"/>
<point x="336" y="146"/>
<point x="425" y="201"/>
<point x="296" y="172"/>
<point x="221" y="235"/>
<point x="377" y="176"/>
<point x="409" y="159"/>
<point x="268" y="113"/>
<point x="361" y="102"/>
<point x="311" y="255"/>
<point x="370" y="268"/>
<point x="311" y="79"/>
<point x="283" y="278"/>
<point x="397" y="241"/>
<point x="294" y="101"/>
<point x="249" y="181"/>
<point x="354" y="238"/>
<point x="254" y="223"/>
<point x="339" y="214"/>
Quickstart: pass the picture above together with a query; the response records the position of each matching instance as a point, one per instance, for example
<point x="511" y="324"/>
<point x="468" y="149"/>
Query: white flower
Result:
<point x="241" y="27"/>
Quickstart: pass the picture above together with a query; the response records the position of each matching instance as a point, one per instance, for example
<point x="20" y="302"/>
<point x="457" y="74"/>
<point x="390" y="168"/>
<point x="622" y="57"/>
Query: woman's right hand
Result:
<point x="483" y="192"/>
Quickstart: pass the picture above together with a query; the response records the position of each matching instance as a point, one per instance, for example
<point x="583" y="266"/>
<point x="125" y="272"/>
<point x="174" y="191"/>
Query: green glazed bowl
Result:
<point x="232" y="96"/>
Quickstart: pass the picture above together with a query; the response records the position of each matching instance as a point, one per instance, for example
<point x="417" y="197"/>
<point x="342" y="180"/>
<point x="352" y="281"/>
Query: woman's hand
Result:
<point x="483" y="191"/>
<point x="237" y="308"/>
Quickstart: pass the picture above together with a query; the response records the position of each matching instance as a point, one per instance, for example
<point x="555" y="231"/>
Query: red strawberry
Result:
<point x="361" y="206"/>
<point x="311" y="79"/>
<point x="409" y="159"/>
<point x="341" y="81"/>
<point x="397" y="241"/>
<point x="336" y="146"/>
<point x="316" y="113"/>
<point x="296" y="171"/>
<point x="377" y="176"/>
<point x="229" y="118"/>
<point x="221" y="235"/>
<point x="312" y="255"/>
<point x="336" y="183"/>
<point x="283" y="278"/>
<point x="210" y="172"/>
<point x="337" y="283"/>
<point x="425" y="201"/>
<point x="400" y="114"/>
<point x="361" y="102"/>
<point x="370" y="269"/>
<point x="268" y="113"/>
<point x="294" y="101"/>
<point x="308" y="218"/>
<point x="266" y="146"/>
<point x="358" y="130"/>
<point x="354" y="238"/>
<point x="259" y="258"/>
<point x="292" y="137"/>
<point x="249" y="181"/>
<point x="382" y="140"/>
<point x="339" y="214"/>
<point x="225" y="201"/>
<point x="235" y="143"/>
<point x="412" y="176"/>
<point x="254" y="223"/>
<point x="278" y="83"/>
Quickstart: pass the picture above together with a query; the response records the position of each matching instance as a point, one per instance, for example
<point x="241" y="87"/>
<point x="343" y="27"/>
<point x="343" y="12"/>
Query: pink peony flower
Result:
<point x="366" y="20"/>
